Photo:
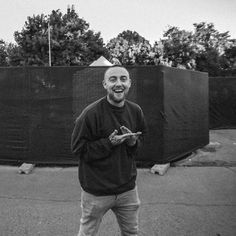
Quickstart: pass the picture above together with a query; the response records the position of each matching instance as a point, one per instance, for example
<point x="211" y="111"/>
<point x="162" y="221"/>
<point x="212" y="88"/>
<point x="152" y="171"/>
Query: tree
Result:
<point x="210" y="47"/>
<point x="179" y="48"/>
<point x="130" y="48"/>
<point x="14" y="55"/>
<point x="72" y="43"/>
<point x="3" y="53"/>
<point x="230" y="55"/>
<point x="94" y="47"/>
<point x="228" y="59"/>
<point x="132" y="37"/>
<point x="203" y="49"/>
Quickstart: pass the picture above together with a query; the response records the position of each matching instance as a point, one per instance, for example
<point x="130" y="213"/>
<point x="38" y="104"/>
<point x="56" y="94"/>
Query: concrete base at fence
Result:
<point x="160" y="169"/>
<point x="26" y="168"/>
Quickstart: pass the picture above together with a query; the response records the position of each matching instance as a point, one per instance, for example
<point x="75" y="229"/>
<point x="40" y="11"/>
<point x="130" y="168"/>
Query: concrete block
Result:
<point x="160" y="169"/>
<point x="26" y="168"/>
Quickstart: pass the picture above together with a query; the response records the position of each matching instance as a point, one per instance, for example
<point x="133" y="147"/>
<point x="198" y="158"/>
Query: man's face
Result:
<point x="117" y="83"/>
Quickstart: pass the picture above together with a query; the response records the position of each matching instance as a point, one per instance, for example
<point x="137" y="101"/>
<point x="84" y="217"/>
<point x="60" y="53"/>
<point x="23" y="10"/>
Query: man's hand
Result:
<point x="132" y="139"/>
<point x="118" y="139"/>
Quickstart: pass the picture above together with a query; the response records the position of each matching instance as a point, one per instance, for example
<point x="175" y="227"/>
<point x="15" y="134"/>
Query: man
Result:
<point x="105" y="139"/>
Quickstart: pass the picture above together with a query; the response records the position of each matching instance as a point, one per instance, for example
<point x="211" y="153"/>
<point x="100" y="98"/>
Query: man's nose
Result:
<point x="118" y="82"/>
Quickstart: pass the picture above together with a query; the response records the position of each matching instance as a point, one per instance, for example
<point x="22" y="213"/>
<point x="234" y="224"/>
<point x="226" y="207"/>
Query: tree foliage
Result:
<point x="230" y="57"/>
<point x="14" y="55"/>
<point x="132" y="37"/>
<point x="179" y="48"/>
<point x="130" y="48"/>
<point x="72" y="42"/>
<point x="203" y="49"/>
<point x="3" y="53"/>
<point x="210" y="48"/>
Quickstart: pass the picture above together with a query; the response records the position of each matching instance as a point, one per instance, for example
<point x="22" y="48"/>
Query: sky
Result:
<point x="150" y="18"/>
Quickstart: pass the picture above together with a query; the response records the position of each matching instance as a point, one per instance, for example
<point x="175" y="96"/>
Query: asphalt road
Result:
<point x="186" y="201"/>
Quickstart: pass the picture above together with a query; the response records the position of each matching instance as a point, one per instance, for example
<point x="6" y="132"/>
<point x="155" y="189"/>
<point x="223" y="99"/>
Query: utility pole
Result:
<point x="49" y="45"/>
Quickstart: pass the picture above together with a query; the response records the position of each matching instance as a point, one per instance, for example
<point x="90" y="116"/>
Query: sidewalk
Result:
<point x="186" y="201"/>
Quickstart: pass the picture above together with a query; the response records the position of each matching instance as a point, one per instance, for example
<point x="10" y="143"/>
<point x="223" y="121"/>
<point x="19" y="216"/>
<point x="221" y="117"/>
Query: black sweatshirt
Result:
<point x="105" y="169"/>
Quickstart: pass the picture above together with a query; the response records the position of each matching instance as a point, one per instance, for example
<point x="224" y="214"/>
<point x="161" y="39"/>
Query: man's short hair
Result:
<point x="114" y="66"/>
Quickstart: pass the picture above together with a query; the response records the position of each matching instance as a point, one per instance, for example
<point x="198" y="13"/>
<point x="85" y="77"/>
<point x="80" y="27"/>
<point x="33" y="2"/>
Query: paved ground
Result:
<point x="186" y="201"/>
<point x="220" y="152"/>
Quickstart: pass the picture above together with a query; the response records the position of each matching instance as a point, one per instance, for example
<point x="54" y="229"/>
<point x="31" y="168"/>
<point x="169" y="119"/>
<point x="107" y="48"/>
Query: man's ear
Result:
<point x="130" y="83"/>
<point x="104" y="84"/>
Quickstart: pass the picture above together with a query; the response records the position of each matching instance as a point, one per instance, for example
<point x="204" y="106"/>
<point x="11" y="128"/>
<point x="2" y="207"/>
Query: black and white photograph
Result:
<point x="118" y="118"/>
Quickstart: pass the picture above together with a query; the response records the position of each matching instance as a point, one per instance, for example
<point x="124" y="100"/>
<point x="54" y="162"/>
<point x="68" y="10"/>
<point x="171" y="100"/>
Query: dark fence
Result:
<point x="38" y="107"/>
<point x="222" y="96"/>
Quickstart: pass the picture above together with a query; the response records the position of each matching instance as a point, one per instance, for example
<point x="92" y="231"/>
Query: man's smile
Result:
<point x="118" y="90"/>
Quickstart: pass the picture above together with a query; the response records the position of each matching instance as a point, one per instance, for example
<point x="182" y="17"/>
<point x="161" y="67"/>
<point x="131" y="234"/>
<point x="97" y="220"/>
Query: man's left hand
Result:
<point x="131" y="141"/>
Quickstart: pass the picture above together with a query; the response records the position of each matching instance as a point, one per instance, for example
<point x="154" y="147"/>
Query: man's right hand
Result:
<point x="116" y="139"/>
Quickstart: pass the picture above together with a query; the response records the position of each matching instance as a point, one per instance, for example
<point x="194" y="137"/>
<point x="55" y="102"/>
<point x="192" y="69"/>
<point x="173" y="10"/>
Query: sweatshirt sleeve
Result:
<point x="86" y="145"/>
<point x="143" y="128"/>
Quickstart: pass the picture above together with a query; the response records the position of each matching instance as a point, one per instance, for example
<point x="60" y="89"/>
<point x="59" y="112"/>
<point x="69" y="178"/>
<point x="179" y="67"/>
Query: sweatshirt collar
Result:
<point x="114" y="107"/>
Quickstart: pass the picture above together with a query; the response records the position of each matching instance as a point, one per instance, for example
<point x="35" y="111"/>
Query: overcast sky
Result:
<point x="147" y="17"/>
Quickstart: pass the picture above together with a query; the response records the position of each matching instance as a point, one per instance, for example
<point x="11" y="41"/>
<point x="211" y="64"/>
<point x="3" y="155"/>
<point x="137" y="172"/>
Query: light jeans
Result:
<point x="125" y="206"/>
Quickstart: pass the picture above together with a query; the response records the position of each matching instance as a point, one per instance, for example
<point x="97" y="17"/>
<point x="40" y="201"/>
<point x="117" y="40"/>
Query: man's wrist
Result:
<point x="131" y="143"/>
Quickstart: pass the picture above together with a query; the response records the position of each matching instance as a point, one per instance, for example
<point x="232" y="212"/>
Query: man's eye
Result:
<point x="123" y="78"/>
<point x="112" y="79"/>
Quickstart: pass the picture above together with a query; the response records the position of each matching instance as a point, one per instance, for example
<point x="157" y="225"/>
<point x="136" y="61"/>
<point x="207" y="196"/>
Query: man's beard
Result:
<point x="113" y="98"/>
